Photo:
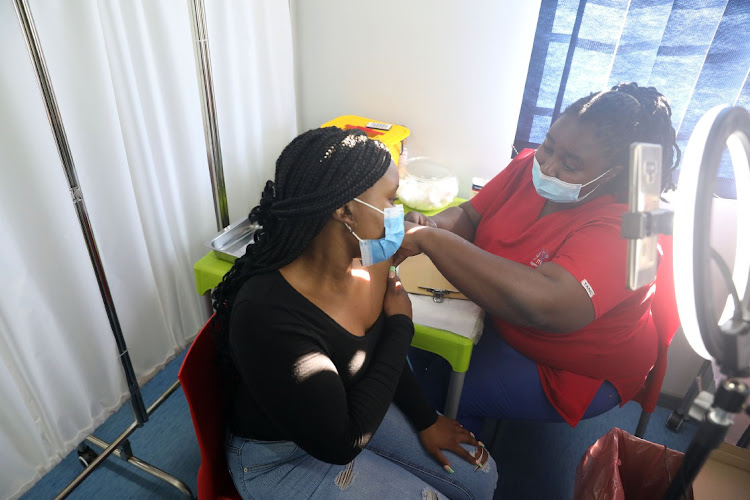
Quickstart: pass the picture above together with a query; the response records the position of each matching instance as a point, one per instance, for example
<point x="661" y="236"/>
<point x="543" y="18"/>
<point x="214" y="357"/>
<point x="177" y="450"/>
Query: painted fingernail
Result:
<point x="472" y="434"/>
<point x="392" y="271"/>
<point x="448" y="469"/>
<point x="481" y="444"/>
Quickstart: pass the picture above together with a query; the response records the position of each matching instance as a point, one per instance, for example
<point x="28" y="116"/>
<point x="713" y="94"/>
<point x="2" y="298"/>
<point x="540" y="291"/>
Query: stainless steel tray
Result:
<point x="230" y="244"/>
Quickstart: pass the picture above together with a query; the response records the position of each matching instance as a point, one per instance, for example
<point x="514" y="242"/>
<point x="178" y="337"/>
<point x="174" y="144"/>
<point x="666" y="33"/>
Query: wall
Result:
<point x="682" y="367"/>
<point x="451" y="71"/>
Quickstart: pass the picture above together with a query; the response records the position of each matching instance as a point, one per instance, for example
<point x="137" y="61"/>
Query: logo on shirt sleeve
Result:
<point x="587" y="287"/>
<point x="542" y="256"/>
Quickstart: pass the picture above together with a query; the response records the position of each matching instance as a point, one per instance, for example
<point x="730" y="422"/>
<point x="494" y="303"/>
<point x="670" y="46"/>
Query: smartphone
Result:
<point x="644" y="194"/>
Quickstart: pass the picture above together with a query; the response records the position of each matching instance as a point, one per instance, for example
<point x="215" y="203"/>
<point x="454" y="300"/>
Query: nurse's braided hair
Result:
<point x="318" y="172"/>
<point x="625" y="114"/>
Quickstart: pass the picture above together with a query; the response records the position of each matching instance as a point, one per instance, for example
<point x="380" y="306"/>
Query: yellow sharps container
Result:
<point x="391" y="135"/>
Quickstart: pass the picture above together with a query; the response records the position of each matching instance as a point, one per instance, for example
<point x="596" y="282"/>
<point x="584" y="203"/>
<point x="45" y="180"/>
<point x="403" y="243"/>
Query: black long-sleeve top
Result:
<point x="305" y="378"/>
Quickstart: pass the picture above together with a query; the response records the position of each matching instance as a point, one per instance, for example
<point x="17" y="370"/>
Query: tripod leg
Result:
<point x="709" y="436"/>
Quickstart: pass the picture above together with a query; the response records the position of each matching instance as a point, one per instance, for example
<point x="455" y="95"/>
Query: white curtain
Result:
<point x="253" y="65"/>
<point x="125" y="79"/>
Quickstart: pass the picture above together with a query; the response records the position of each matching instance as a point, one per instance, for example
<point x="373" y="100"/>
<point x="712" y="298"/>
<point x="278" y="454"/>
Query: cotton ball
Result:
<point x="427" y="194"/>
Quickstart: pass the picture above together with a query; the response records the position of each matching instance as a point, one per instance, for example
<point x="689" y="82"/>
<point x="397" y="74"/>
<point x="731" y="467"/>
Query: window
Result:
<point x="697" y="53"/>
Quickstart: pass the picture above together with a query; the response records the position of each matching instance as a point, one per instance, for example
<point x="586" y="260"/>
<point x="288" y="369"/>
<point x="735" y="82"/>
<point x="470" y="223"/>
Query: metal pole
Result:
<point x="144" y="466"/>
<point x="63" y="148"/>
<point x="455" y="387"/>
<point x="111" y="449"/>
<point x="98" y="460"/>
<point x="208" y="106"/>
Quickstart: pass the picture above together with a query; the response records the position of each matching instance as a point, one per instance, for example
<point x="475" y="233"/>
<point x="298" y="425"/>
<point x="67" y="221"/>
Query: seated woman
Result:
<point x="539" y="248"/>
<point x="317" y="344"/>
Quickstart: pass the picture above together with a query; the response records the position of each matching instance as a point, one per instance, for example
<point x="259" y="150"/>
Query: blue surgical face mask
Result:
<point x="374" y="251"/>
<point x="556" y="190"/>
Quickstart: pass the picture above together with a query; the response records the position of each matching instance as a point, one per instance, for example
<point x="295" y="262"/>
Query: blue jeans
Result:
<point x="500" y="383"/>
<point x="394" y="465"/>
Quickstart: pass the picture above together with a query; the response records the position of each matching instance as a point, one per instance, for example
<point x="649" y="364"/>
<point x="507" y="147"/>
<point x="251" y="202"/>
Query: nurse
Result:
<point x="539" y="249"/>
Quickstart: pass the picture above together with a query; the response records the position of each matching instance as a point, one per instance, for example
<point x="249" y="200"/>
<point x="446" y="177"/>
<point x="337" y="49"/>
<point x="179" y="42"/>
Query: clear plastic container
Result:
<point x="426" y="184"/>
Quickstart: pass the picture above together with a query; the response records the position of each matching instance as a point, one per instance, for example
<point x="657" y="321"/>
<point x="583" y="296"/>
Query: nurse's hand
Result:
<point x="410" y="245"/>
<point x="448" y="434"/>
<point x="419" y="219"/>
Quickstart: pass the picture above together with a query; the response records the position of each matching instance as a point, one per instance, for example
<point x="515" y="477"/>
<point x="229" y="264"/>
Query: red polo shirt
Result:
<point x="620" y="345"/>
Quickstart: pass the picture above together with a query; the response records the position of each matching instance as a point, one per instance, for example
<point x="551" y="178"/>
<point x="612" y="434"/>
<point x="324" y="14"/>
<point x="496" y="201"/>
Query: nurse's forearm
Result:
<point x="504" y="288"/>
<point x="457" y="221"/>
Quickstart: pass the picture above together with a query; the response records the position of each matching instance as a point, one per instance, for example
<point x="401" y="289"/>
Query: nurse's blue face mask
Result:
<point x="374" y="251"/>
<point x="559" y="191"/>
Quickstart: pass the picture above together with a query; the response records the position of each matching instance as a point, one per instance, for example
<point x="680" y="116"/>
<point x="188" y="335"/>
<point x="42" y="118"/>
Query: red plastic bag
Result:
<point x="620" y="466"/>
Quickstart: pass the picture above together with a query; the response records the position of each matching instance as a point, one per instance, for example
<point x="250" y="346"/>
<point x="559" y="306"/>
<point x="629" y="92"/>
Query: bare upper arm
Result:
<point x="567" y="305"/>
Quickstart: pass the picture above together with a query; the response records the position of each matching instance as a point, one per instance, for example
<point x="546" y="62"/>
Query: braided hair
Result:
<point x="318" y="172"/>
<point x="625" y="114"/>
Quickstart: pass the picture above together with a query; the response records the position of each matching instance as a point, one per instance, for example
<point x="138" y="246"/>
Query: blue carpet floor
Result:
<point x="166" y="441"/>
<point x="536" y="461"/>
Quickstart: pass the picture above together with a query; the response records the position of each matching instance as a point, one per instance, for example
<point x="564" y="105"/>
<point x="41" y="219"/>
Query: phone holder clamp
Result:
<point x="637" y="225"/>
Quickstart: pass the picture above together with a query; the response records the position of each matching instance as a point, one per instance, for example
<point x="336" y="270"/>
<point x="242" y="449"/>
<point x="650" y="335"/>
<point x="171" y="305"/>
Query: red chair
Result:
<point x="666" y="321"/>
<point x="200" y="381"/>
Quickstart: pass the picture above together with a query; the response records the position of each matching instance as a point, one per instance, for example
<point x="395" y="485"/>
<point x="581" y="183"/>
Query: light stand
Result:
<point x="725" y="340"/>
<point x="724" y="337"/>
<point x="730" y="398"/>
